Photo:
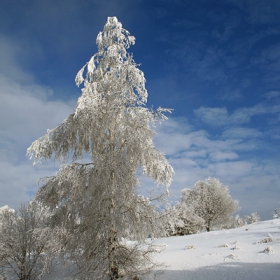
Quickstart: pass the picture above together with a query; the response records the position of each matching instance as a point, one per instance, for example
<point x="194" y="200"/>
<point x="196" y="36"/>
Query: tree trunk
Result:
<point x="113" y="267"/>
<point x="208" y="226"/>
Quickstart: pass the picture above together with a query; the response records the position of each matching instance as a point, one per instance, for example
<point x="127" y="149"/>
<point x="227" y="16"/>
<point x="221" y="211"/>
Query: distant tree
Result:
<point x="96" y="202"/>
<point x="6" y="208"/>
<point x="253" y="218"/>
<point x="275" y="214"/>
<point x="26" y="247"/>
<point x="238" y="222"/>
<point x="211" y="201"/>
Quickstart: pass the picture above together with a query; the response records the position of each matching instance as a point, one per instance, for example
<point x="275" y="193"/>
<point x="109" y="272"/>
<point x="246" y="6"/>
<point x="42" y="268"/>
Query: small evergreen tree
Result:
<point x="97" y="203"/>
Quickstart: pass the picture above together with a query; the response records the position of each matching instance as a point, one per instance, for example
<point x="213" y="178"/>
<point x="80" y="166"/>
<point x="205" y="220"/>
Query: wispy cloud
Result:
<point x="241" y="133"/>
<point x="26" y="112"/>
<point x="272" y="94"/>
<point x="12" y="55"/>
<point x="195" y="155"/>
<point x="261" y="12"/>
<point x="221" y="117"/>
<point x="225" y="51"/>
<point x="231" y="95"/>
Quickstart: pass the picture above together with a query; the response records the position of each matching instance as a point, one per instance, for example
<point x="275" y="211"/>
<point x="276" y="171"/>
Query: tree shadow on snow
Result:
<point x="227" y="270"/>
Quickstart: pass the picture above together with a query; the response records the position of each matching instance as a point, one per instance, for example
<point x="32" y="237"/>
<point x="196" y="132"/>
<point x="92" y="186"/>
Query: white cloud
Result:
<point x="272" y="94"/>
<point x="24" y="117"/>
<point x="29" y="106"/>
<point x="26" y="112"/>
<point x="195" y="156"/>
<point x="214" y="116"/>
<point x="222" y="156"/>
<point x="231" y="95"/>
<point x="19" y="181"/>
<point x="11" y="55"/>
<point x="220" y="116"/>
<point x="241" y="133"/>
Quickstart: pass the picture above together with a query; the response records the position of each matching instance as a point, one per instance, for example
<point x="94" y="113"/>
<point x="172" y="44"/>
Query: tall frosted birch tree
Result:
<point x="96" y="203"/>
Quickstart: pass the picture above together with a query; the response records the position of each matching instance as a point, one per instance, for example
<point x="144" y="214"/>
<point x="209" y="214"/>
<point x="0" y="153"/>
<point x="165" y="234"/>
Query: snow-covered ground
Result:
<point x="228" y="254"/>
<point x="248" y="253"/>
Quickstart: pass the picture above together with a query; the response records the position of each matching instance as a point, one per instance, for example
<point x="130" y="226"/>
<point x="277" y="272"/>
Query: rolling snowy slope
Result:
<point x="249" y="252"/>
<point x="234" y="254"/>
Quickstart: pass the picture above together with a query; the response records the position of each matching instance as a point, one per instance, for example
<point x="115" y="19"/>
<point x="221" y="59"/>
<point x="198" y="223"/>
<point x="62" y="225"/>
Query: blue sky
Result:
<point x="216" y="63"/>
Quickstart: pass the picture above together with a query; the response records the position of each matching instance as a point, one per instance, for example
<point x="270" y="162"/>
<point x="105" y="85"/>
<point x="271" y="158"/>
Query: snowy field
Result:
<point x="248" y="253"/>
<point x="227" y="254"/>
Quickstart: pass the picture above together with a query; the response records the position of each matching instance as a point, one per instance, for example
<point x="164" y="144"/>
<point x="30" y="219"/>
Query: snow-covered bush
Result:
<point x="253" y="218"/>
<point x="231" y="257"/>
<point x="26" y="246"/>
<point x="223" y="245"/>
<point x="267" y="250"/>
<point x="267" y="239"/>
<point x="236" y="248"/>
<point x="5" y="209"/>
<point x="275" y="214"/>
<point x="193" y="246"/>
<point x="238" y="222"/>
<point x="183" y="221"/>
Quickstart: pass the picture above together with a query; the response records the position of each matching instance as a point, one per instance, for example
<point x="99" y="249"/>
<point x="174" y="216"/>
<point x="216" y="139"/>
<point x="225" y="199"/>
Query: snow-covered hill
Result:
<point x="247" y="253"/>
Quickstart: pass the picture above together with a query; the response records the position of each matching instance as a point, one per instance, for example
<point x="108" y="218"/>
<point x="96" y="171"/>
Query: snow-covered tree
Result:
<point x="5" y="209"/>
<point x="181" y="220"/>
<point x="97" y="202"/>
<point x="275" y="214"/>
<point x="238" y="222"/>
<point x="26" y="247"/>
<point x="253" y="218"/>
<point x="211" y="201"/>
